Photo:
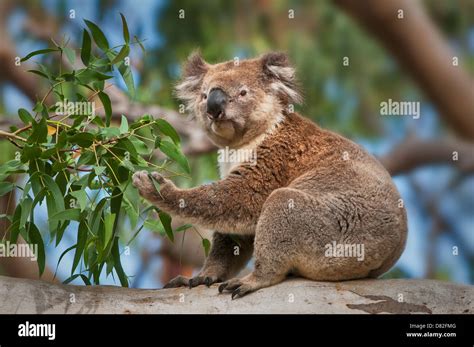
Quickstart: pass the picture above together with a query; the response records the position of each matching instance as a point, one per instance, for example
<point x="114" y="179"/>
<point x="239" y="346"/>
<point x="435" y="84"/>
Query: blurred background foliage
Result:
<point x="345" y="99"/>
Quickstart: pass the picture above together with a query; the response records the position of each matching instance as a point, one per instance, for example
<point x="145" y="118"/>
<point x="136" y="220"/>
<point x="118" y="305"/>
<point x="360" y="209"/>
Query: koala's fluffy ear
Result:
<point x="194" y="70"/>
<point x="281" y="75"/>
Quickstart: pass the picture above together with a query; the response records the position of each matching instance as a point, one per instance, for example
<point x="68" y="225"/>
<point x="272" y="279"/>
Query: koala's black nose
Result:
<point x="216" y="102"/>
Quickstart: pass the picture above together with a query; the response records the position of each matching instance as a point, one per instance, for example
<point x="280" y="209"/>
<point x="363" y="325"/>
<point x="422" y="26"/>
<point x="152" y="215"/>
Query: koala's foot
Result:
<point x="248" y="284"/>
<point x="181" y="281"/>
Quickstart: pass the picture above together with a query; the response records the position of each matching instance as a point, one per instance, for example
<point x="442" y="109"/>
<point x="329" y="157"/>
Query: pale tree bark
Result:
<point x="290" y="296"/>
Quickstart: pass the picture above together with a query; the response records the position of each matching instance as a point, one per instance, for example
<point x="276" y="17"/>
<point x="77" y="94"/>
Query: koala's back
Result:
<point x="340" y="194"/>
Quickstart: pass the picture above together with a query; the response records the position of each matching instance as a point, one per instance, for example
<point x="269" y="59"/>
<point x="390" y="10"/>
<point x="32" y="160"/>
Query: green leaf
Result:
<point x="73" y="277"/>
<point x="123" y="125"/>
<point x="125" y="145"/>
<point x="140" y="146"/>
<point x="61" y="258"/>
<point x="173" y="152"/>
<point x="15" y="226"/>
<point x="30" y="152"/>
<point x="99" y="170"/>
<point x="207" y="245"/>
<point x="38" y="107"/>
<point x="54" y="200"/>
<point x="109" y="132"/>
<point x="39" y="73"/>
<point x="96" y="215"/>
<point x="128" y="165"/>
<point x="26" y="206"/>
<point x="118" y="264"/>
<point x="166" y="221"/>
<point x="86" y="48"/>
<point x="140" y="44"/>
<point x="84" y="140"/>
<point x="35" y="239"/>
<point x="98" y="121"/>
<point x="109" y="227"/>
<point x="157" y="141"/>
<point x="154" y="181"/>
<point x="104" y="98"/>
<point x="98" y="35"/>
<point x="86" y="158"/>
<point x="127" y="76"/>
<point x="154" y="226"/>
<point x="25" y="116"/>
<point x="183" y="227"/>
<point x="121" y="55"/>
<point x="10" y="166"/>
<point x="40" y="51"/>
<point x="70" y="55"/>
<point x="40" y="132"/>
<point x="126" y="33"/>
<point x="116" y="202"/>
<point x="69" y="214"/>
<point x="80" y="244"/>
<point x="60" y="232"/>
<point x="43" y="72"/>
<point x="48" y="153"/>
<point x="168" y="130"/>
<point x="81" y="197"/>
<point x="135" y="234"/>
<point x="86" y="76"/>
<point x="34" y="170"/>
<point x="6" y="187"/>
<point x="59" y="166"/>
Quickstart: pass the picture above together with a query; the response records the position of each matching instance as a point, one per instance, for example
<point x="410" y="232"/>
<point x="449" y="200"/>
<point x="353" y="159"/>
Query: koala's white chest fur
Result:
<point x="225" y="168"/>
<point x="229" y="159"/>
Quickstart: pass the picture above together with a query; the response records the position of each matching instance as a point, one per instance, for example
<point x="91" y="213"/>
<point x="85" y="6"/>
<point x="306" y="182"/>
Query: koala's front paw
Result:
<point x="182" y="281"/>
<point x="147" y="189"/>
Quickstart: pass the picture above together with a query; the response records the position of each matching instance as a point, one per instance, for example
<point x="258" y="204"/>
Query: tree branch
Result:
<point x="351" y="297"/>
<point x="419" y="47"/>
<point x="414" y="152"/>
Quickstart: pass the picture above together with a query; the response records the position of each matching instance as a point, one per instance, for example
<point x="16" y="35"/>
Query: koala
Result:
<point x="308" y="190"/>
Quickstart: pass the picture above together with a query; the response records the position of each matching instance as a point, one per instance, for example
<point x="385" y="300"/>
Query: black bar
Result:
<point x="316" y="330"/>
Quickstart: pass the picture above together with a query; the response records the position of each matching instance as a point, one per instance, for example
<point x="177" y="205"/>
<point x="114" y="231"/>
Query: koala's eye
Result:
<point x="243" y="92"/>
<point x="204" y="96"/>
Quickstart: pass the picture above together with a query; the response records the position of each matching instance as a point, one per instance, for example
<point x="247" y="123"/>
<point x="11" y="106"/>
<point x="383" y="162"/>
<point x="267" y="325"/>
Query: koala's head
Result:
<point x="237" y="101"/>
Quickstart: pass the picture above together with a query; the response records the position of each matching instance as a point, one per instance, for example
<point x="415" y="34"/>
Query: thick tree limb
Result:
<point x="356" y="297"/>
<point x="414" y="152"/>
<point x="420" y="49"/>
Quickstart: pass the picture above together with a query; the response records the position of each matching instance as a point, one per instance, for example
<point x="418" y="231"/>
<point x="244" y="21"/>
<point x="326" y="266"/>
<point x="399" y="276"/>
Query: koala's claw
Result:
<point x="230" y="285"/>
<point x="179" y="281"/>
<point x="238" y="287"/>
<point x="182" y="281"/>
<point x="206" y="280"/>
<point x="160" y="179"/>
<point x="235" y="294"/>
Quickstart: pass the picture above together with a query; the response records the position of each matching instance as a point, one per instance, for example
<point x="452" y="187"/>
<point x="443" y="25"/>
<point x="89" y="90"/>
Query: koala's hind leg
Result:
<point x="228" y="255"/>
<point x="275" y="245"/>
